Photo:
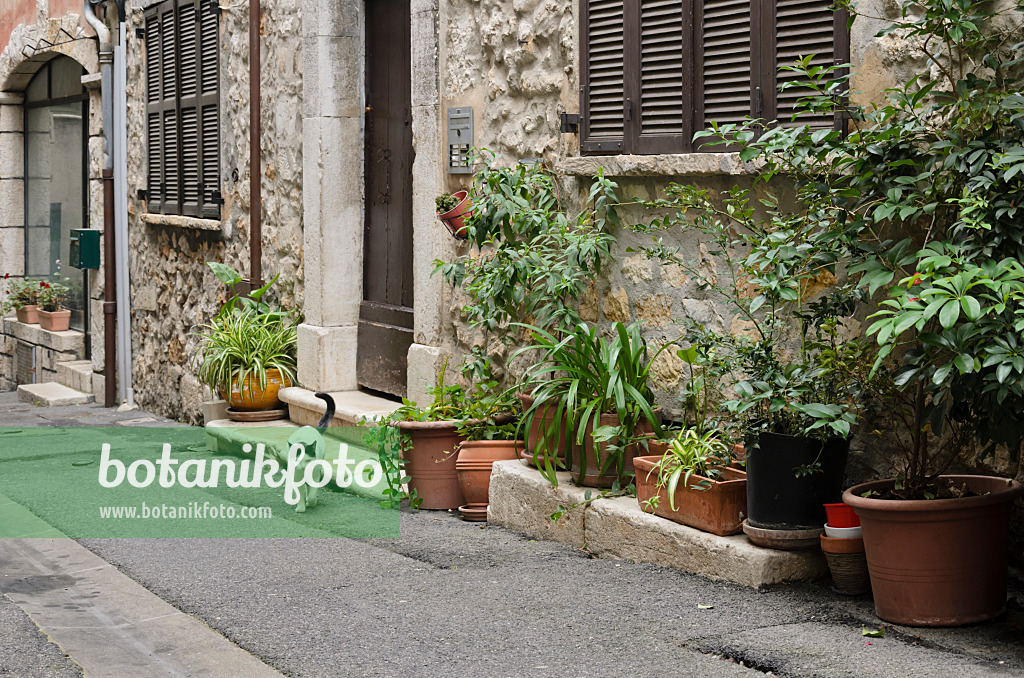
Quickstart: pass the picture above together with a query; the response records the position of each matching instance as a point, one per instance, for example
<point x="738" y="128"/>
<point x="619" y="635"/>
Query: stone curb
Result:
<point x="522" y="500"/>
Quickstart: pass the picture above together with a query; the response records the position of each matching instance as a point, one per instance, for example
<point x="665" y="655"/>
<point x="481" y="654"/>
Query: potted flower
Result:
<point x="600" y="386"/>
<point x="23" y="299"/>
<point x="490" y="427"/>
<point x="452" y="209"/>
<point x="52" y="314"/>
<point x="247" y="352"/>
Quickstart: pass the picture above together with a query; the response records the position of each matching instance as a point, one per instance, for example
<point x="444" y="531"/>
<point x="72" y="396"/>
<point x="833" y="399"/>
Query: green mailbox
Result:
<point x="85" y="248"/>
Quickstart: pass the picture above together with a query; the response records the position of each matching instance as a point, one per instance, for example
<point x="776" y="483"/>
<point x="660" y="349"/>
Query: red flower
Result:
<point x="916" y="280"/>
<point x="6" y="276"/>
<point x="913" y="298"/>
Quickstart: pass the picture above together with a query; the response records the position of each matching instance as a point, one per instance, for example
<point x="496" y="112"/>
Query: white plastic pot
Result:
<point x="842" y="532"/>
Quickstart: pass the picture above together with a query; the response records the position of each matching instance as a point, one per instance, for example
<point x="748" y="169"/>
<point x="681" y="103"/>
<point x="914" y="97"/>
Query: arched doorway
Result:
<point x="56" y="178"/>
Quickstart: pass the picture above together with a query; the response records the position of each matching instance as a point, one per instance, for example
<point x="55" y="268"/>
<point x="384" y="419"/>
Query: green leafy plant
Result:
<point x="236" y="347"/>
<point x="52" y="295"/>
<point x="691" y="452"/>
<point x="241" y="303"/>
<point x="530" y="259"/>
<point x="584" y="376"/>
<point x="21" y="292"/>
<point x="490" y="414"/>
<point x="446" y="203"/>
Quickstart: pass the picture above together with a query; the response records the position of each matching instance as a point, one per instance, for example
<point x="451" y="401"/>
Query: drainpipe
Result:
<point x="110" y="282"/>
<point x="255" y="171"/>
<point x="125" y="392"/>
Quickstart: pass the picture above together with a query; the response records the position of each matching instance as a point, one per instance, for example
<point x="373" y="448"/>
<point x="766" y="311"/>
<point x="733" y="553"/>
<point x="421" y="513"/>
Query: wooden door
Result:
<point x="385" y="318"/>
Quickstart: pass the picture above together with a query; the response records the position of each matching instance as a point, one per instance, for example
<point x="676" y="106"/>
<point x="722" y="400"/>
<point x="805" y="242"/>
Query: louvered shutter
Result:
<point x="665" y="113"/>
<point x="728" y="70"/>
<point x="803" y="28"/>
<point x="209" y="110"/>
<point x="602" y="78"/>
<point x="183" y="110"/>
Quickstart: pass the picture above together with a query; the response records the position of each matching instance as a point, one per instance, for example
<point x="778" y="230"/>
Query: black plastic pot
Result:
<point x="777" y="499"/>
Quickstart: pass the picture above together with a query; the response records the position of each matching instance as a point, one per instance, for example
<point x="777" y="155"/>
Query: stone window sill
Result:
<point x="669" y="165"/>
<point x="63" y="342"/>
<point x="181" y="222"/>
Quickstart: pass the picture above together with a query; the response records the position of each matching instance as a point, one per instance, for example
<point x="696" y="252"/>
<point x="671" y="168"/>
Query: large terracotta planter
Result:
<point x="28" y="314"/>
<point x="54" y="321"/>
<point x="592" y="473"/>
<point x="454" y="217"/>
<point x="473" y="466"/>
<point x="431" y="458"/>
<point x="719" y="510"/>
<point x="940" y="562"/>
<point x="539" y="437"/>
<point x="250" y="396"/>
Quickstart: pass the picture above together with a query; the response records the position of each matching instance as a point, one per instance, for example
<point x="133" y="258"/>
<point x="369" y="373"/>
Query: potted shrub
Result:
<point x="52" y="314"/>
<point x="23" y="299"/>
<point x="490" y="429"/>
<point x="600" y="386"/>
<point x="247" y="351"/>
<point x="920" y="203"/>
<point x="452" y="209"/>
<point x="423" y="453"/>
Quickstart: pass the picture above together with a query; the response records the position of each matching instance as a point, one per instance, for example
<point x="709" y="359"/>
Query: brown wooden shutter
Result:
<point x="601" y="92"/>
<point x="209" y="107"/>
<point x="803" y="28"/>
<point x="188" y="29"/>
<point x="665" y="66"/>
<point x="157" y="103"/>
<point x="728" y="69"/>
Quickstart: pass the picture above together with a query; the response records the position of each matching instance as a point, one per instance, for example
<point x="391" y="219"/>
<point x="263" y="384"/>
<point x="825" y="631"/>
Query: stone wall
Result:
<point x="172" y="289"/>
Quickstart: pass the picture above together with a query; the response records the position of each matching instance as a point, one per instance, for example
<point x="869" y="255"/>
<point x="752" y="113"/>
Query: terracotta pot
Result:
<point x="594" y="474"/>
<point x="473" y="466"/>
<point x="719" y="510"/>
<point x="453" y="218"/>
<point x="536" y="438"/>
<point x="431" y="458"/>
<point x="251" y="397"/>
<point x="846" y="562"/>
<point x="28" y="314"/>
<point x="54" y="321"/>
<point x="940" y="562"/>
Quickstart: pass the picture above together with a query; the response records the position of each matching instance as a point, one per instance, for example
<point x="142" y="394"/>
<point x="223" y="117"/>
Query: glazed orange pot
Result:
<point x="938" y="562"/>
<point x="719" y="510"/>
<point x="251" y="397"/>
<point x="476" y="457"/>
<point x="430" y="462"/>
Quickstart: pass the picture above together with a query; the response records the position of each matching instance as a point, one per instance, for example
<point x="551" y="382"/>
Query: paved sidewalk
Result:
<point x="453" y="598"/>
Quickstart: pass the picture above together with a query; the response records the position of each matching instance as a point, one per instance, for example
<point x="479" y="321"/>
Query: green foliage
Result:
<point x="490" y="414"/>
<point x="691" y="452"/>
<point x="52" y="295"/>
<point x="529" y="260"/>
<point x="445" y="203"/>
<point x="21" y="292"/>
<point x="920" y="203"/>
<point x="239" y="303"/>
<point x="583" y="376"/>
<point x="245" y="344"/>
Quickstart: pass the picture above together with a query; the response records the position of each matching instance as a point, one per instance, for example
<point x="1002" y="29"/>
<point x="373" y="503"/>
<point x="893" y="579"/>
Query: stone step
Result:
<point x="52" y="394"/>
<point x="522" y="500"/>
<point x="352" y="406"/>
<point x="76" y="374"/>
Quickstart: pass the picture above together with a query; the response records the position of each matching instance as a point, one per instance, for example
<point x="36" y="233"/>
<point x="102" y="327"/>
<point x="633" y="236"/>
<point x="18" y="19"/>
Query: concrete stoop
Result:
<point x="76" y="374"/>
<point x="522" y="500"/>
<point x="351" y="406"/>
<point x="52" y="394"/>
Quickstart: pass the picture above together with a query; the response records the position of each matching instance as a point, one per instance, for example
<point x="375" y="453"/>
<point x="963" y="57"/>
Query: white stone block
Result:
<point x="12" y="119"/>
<point x="12" y="155"/>
<point x="12" y="202"/>
<point x="423" y="365"/>
<point x="12" y="252"/>
<point x="327" y="357"/>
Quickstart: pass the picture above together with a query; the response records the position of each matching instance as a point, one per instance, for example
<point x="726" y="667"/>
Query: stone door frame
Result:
<point x="333" y="212"/>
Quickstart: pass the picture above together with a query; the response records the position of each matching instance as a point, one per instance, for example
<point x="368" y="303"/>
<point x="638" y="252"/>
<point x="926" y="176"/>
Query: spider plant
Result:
<point x="244" y="345"/>
<point x="691" y="452"/>
<point x="584" y="376"/>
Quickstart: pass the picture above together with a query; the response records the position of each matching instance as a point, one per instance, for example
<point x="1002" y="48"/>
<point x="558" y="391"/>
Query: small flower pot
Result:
<point x="54" y="321"/>
<point x="28" y="314"/>
<point x="841" y="515"/>
<point x="720" y="509"/>
<point x="453" y="218"/>
<point x="473" y="466"/>
<point x="431" y="457"/>
<point x="848" y="565"/>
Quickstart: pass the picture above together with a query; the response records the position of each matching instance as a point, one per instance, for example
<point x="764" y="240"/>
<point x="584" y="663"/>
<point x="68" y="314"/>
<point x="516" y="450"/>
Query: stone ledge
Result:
<point x="181" y="222"/>
<point x="352" y="406"/>
<point x="52" y="394"/>
<point x="70" y="341"/>
<point x="522" y="500"/>
<point x="669" y="165"/>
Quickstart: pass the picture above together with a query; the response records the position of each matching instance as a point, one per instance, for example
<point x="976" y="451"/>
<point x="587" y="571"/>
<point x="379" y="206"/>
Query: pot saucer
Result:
<point x="474" y="514"/>
<point x="785" y="540"/>
<point x="257" y="415"/>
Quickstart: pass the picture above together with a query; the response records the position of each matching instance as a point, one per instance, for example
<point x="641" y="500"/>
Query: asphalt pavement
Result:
<point x="450" y="598"/>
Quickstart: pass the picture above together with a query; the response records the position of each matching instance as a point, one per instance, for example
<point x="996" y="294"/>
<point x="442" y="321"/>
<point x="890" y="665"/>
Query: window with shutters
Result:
<point x="182" y="108"/>
<point x="654" y="72"/>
